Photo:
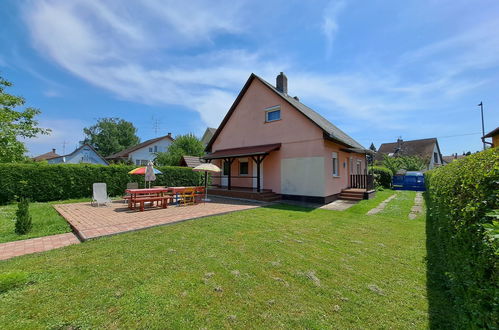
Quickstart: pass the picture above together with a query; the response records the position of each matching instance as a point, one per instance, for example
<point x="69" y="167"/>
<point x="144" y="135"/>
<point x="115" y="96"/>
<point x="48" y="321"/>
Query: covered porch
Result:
<point x="242" y="168"/>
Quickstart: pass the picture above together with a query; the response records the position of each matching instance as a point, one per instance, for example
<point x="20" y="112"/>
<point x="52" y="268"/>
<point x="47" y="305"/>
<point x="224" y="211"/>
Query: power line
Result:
<point x="457" y="135"/>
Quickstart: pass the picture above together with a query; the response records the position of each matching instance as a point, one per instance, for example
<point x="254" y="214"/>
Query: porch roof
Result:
<point x="244" y="151"/>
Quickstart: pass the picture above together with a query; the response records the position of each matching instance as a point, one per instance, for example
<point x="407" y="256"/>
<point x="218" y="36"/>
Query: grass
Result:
<point x="276" y="267"/>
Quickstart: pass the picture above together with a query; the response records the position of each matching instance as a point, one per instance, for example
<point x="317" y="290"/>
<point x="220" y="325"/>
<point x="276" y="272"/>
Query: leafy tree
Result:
<point x="111" y="135"/>
<point x="15" y="124"/>
<point x="184" y="145"/>
<point x="408" y="163"/>
<point x="23" y="218"/>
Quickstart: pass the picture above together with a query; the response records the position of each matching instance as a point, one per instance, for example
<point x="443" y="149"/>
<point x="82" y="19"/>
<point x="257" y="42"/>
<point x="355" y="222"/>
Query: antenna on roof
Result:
<point x="64" y="147"/>
<point x="155" y="125"/>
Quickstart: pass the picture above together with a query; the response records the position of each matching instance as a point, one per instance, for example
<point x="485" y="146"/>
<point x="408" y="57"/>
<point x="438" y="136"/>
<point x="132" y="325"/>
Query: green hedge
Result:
<point x="43" y="182"/>
<point x="462" y="238"/>
<point x="382" y="176"/>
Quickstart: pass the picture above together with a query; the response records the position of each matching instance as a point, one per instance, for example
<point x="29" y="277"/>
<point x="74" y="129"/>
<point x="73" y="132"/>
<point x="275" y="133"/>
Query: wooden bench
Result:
<point x="142" y="200"/>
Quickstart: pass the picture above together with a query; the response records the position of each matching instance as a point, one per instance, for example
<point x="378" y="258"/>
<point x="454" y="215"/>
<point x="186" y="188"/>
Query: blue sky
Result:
<point x="376" y="69"/>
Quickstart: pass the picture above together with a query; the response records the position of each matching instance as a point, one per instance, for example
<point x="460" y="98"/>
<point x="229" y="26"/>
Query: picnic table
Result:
<point x="178" y="191"/>
<point x="141" y="196"/>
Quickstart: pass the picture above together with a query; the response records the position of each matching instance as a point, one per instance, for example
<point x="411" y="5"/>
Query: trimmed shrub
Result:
<point x="12" y="280"/>
<point x="382" y="176"/>
<point x="50" y="182"/>
<point x="462" y="199"/>
<point x="23" y="218"/>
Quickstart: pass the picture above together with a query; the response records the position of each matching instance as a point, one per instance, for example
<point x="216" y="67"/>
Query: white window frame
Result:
<point x="155" y="148"/>
<point x="271" y="110"/>
<point x="335" y="162"/>
<point x="150" y="149"/>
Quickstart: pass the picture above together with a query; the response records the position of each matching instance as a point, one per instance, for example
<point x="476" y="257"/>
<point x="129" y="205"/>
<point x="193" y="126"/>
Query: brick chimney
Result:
<point x="281" y="83"/>
<point x="169" y="134"/>
<point x="53" y="150"/>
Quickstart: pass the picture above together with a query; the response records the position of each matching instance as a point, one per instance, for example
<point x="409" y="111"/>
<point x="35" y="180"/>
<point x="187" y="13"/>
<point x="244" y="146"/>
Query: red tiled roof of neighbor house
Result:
<point x="422" y="148"/>
<point x="244" y="151"/>
<point x="124" y="153"/>
<point x="46" y="156"/>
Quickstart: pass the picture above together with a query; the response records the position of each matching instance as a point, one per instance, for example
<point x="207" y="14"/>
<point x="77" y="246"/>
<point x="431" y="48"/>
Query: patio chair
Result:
<point x="130" y="185"/>
<point x="100" y="194"/>
<point x="188" y="197"/>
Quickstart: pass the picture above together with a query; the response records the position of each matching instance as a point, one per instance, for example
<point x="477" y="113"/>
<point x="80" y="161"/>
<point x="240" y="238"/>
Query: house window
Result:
<point x="243" y="168"/>
<point x="226" y="168"/>
<point x="273" y="114"/>
<point x="137" y="162"/>
<point x="150" y="149"/>
<point x="155" y="148"/>
<point x="359" y="167"/>
<point x="435" y="157"/>
<point x="335" y="164"/>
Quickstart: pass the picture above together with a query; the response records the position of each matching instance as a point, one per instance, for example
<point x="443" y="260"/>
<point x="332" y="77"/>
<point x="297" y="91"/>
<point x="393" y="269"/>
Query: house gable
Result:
<point x="245" y="124"/>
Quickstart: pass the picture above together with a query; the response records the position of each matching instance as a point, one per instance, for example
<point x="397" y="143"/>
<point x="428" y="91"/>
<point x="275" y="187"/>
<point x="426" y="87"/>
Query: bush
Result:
<point x="462" y="200"/>
<point x="382" y="176"/>
<point x="23" y="218"/>
<point x="13" y="280"/>
<point x="50" y="182"/>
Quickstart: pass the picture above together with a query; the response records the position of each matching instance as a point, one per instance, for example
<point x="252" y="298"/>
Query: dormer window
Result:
<point x="272" y="114"/>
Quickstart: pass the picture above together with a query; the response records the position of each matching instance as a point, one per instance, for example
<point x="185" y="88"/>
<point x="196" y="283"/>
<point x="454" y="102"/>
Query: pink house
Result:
<point x="270" y="146"/>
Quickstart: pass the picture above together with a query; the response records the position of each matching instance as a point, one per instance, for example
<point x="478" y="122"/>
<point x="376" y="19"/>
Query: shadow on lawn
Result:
<point x="440" y="312"/>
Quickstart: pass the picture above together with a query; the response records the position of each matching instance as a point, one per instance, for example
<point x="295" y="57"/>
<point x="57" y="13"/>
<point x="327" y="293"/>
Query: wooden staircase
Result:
<point x="264" y="196"/>
<point x="352" y="194"/>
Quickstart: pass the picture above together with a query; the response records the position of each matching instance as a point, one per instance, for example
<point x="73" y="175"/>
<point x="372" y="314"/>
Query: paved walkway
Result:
<point x="417" y="208"/>
<point x="92" y="222"/>
<point x="339" y="205"/>
<point x="381" y="205"/>
<point x="34" y="245"/>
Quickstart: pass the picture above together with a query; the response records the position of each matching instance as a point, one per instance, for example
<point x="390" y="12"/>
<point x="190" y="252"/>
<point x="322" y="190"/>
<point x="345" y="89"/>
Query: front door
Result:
<point x="224" y="182"/>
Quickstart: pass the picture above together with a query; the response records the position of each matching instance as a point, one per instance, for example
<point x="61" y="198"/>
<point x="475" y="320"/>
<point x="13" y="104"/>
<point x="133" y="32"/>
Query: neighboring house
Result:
<point x="208" y="134"/>
<point x="46" y="156"/>
<point x="190" y="161"/>
<point x="84" y="154"/>
<point x="451" y="158"/>
<point x="495" y="138"/>
<point x="142" y="153"/>
<point x="427" y="149"/>
<point x="269" y="140"/>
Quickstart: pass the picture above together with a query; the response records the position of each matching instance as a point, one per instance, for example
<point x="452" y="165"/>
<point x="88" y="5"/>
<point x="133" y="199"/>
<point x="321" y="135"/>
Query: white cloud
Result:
<point x="68" y="131"/>
<point x="330" y="23"/>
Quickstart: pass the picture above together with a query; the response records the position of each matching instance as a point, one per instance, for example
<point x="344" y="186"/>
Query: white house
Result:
<point x="142" y="153"/>
<point x="84" y="154"/>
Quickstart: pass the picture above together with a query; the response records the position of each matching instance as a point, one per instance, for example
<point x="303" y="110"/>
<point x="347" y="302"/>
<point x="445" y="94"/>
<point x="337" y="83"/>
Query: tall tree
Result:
<point x="15" y="124"/>
<point x="111" y="135"/>
<point x="184" y="145"/>
<point x="370" y="158"/>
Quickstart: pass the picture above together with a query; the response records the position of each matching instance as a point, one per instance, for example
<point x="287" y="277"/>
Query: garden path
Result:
<point x="18" y="248"/>
<point x="381" y="205"/>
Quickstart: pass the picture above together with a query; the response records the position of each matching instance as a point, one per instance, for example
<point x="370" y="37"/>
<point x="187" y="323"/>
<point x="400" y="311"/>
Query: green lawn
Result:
<point x="46" y="221"/>
<point x="275" y="267"/>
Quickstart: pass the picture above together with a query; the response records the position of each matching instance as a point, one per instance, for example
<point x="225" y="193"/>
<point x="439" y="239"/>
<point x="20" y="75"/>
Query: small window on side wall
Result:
<point x="273" y="114"/>
<point x="335" y="164"/>
<point x="243" y="168"/>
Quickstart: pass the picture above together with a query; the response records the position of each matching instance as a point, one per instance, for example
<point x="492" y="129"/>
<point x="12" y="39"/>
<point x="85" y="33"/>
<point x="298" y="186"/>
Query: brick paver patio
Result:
<point x="91" y="222"/>
<point x="18" y="248"/>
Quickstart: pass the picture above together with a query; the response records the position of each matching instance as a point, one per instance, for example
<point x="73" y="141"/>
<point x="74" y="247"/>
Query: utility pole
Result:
<point x="155" y="125"/>
<point x="483" y="127"/>
<point x="64" y="147"/>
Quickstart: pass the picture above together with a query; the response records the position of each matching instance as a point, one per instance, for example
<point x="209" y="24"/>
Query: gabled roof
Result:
<point x="81" y="147"/>
<point x="208" y="134"/>
<point x="422" y="148"/>
<point x="126" y="152"/>
<point x="331" y="132"/>
<point x="492" y="133"/>
<point x="46" y="156"/>
<point x="190" y="161"/>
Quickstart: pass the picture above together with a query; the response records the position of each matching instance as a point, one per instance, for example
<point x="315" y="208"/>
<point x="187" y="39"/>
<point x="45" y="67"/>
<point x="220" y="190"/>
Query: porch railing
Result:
<point x="362" y="181"/>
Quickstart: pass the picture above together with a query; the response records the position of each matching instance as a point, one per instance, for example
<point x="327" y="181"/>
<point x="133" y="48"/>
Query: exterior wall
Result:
<point x="495" y="141"/>
<point x="84" y="155"/>
<point x="432" y="164"/>
<point x="145" y="155"/>
<point x="334" y="184"/>
<point x="300" y="167"/>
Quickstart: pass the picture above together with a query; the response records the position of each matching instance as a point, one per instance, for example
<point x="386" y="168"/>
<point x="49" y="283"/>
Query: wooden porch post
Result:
<point x="258" y="160"/>
<point x="229" y="161"/>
